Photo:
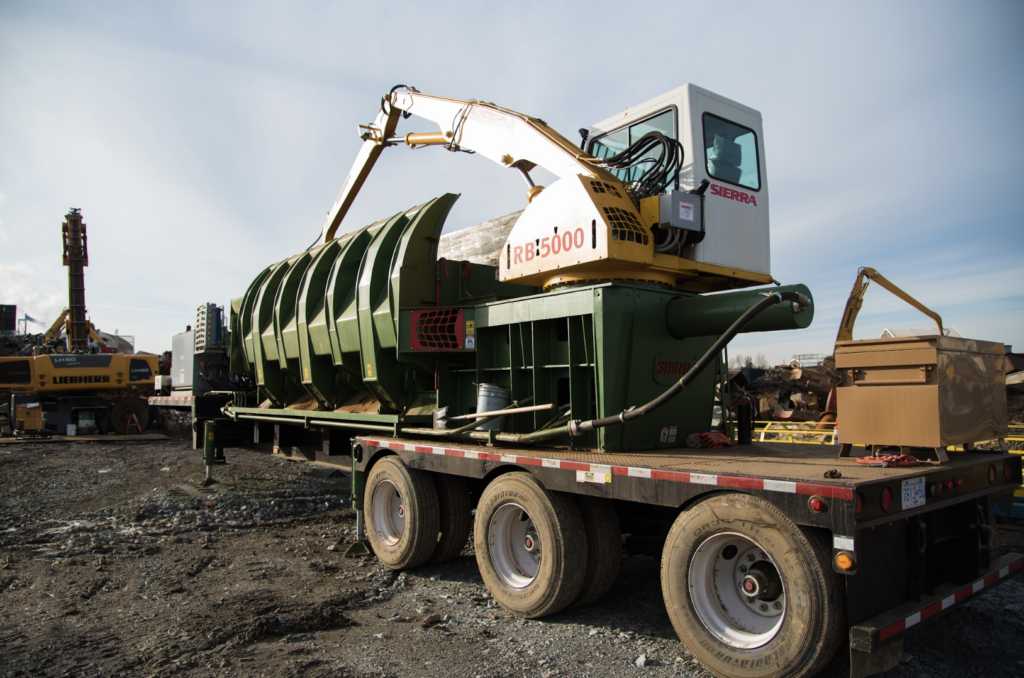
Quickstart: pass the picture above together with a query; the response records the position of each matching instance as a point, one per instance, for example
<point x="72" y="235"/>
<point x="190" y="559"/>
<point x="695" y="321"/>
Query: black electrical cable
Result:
<point x="578" y="428"/>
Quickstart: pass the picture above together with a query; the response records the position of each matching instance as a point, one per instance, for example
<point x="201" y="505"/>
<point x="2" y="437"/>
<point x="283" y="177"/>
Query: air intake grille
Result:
<point x="441" y="329"/>
<point x="625" y="225"/>
<point x="602" y="187"/>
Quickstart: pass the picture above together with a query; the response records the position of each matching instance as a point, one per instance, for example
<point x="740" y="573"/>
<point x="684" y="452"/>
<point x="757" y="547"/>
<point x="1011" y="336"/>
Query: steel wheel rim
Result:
<point x="514" y="545"/>
<point x="720" y="569"/>
<point x="388" y="512"/>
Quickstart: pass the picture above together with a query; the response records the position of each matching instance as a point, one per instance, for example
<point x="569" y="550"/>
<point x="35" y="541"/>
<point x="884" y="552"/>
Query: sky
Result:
<point x="203" y="141"/>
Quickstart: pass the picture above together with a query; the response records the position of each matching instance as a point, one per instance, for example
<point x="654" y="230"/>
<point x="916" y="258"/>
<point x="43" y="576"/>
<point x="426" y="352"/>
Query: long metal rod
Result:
<point x="317" y="422"/>
<point x="481" y="415"/>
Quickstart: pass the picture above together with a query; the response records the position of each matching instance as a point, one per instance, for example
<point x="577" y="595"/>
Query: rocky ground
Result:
<point x="113" y="562"/>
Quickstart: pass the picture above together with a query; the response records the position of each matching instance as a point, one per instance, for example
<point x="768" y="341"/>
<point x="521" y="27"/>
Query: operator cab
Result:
<point x="723" y="144"/>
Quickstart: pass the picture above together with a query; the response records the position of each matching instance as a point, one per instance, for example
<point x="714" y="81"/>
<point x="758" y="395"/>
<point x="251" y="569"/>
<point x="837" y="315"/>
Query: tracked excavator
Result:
<point x="556" y="391"/>
<point x="72" y="388"/>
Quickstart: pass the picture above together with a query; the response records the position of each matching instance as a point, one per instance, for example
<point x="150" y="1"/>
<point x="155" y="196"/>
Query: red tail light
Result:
<point x="886" y="498"/>
<point x="991" y="473"/>
<point x="860" y="503"/>
<point x="1007" y="471"/>
<point x="817" y="504"/>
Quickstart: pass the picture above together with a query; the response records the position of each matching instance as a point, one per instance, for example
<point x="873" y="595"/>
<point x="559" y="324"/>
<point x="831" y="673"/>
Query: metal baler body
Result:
<point x="374" y="328"/>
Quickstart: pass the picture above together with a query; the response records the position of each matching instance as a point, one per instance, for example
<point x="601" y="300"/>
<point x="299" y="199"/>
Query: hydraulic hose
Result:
<point x="578" y="428"/>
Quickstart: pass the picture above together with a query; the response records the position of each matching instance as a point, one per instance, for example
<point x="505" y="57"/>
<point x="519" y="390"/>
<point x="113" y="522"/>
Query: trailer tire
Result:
<point x="531" y="547"/>
<point x="604" y="547"/>
<point x="455" y="516"/>
<point x="122" y="411"/>
<point x="796" y="622"/>
<point x="402" y="517"/>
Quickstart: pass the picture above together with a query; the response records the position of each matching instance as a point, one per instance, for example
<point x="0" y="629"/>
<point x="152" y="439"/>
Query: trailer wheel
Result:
<point x="530" y="546"/>
<point x="748" y="592"/>
<point x="455" y="516"/>
<point x="604" y="547"/>
<point x="402" y="519"/>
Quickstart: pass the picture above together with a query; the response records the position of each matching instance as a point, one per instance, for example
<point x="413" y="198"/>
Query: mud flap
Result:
<point x="880" y="660"/>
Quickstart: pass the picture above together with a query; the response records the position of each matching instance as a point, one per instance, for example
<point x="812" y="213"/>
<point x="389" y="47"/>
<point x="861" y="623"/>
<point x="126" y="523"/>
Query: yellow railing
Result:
<point x="784" y="432"/>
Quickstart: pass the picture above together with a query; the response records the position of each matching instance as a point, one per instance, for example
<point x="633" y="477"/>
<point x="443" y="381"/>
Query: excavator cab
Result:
<point x="723" y="144"/>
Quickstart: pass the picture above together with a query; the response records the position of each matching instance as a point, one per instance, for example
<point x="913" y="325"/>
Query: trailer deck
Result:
<point x="789" y="475"/>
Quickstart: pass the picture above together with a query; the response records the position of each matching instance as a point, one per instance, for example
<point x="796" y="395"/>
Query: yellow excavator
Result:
<point x="58" y="329"/>
<point x="73" y="389"/>
<point x="853" y="305"/>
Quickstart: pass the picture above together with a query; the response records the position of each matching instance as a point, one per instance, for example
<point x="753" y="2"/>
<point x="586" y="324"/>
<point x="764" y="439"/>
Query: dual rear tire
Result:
<point x="749" y="592"/>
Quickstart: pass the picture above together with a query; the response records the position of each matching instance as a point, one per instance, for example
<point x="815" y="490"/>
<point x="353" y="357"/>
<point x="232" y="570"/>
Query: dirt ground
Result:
<point x="114" y="563"/>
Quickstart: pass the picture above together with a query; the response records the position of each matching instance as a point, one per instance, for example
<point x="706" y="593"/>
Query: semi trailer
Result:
<point x="543" y="399"/>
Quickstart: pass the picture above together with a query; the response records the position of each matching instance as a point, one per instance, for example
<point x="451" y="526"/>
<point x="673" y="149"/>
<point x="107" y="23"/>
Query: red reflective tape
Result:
<point x="372" y="443"/>
<point x="425" y="449"/>
<point x="1015" y="565"/>
<point x="490" y="457"/>
<point x="990" y="579"/>
<point x="963" y="594"/>
<point x="674" y="476"/>
<point x="574" y="466"/>
<point x="747" y="483"/>
<point x="530" y="461"/>
<point x="450" y="452"/>
<point x="831" y="491"/>
<point x="620" y="471"/>
<point x="932" y="609"/>
<point x="892" y="630"/>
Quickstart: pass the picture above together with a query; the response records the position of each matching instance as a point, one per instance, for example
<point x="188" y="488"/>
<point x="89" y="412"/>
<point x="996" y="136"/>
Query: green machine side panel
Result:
<point x="269" y="376"/>
<point x="245" y="318"/>
<point x="380" y="370"/>
<point x="318" y="374"/>
<point x="285" y="331"/>
<point x="342" y="316"/>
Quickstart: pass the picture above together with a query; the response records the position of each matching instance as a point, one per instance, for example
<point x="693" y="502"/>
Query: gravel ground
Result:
<point x="113" y="562"/>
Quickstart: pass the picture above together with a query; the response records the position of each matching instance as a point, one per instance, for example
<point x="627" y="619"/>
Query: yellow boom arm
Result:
<point x="856" y="300"/>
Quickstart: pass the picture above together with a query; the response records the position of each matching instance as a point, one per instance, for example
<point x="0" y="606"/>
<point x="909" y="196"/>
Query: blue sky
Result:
<point x="203" y="141"/>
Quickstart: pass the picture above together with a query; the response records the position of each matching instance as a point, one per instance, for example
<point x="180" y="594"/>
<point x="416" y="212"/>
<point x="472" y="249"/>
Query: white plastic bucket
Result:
<point x="491" y="397"/>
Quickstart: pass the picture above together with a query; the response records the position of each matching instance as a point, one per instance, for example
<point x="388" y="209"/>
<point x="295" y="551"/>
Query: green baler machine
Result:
<point x="371" y="331"/>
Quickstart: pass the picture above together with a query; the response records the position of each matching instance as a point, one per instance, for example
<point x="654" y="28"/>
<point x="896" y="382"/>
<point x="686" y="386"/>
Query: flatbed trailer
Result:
<point x="917" y="541"/>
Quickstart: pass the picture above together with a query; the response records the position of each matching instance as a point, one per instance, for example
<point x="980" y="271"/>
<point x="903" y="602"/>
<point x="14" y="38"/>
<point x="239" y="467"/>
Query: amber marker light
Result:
<point x="844" y="561"/>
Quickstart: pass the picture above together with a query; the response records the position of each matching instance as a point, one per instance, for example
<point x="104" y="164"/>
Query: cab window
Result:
<point x="616" y="142"/>
<point x="730" y="151"/>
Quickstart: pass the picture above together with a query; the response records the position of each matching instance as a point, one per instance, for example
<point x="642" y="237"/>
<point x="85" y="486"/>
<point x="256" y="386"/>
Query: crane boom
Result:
<point x="508" y="138"/>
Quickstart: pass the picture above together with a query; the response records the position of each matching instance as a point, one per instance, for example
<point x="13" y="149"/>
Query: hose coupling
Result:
<point x="576" y="428"/>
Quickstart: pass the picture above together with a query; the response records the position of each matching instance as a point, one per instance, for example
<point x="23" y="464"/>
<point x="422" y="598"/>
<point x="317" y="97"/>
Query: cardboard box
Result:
<point x="921" y="391"/>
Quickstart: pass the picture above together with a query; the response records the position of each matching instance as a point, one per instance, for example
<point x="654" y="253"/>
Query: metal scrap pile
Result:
<point x="22" y="344"/>
<point x="789" y="392"/>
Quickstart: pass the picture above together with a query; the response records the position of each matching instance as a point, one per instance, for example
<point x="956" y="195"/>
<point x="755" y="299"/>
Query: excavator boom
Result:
<point x="508" y="138"/>
<point x="856" y="300"/>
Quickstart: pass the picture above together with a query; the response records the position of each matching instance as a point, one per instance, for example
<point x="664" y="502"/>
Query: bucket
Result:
<point x="491" y="397"/>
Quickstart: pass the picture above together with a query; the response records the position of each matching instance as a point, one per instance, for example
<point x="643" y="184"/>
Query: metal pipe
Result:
<point x="352" y="424"/>
<point x="713" y="314"/>
<point x="315" y="422"/>
<point x="516" y="410"/>
<point x="578" y="428"/>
